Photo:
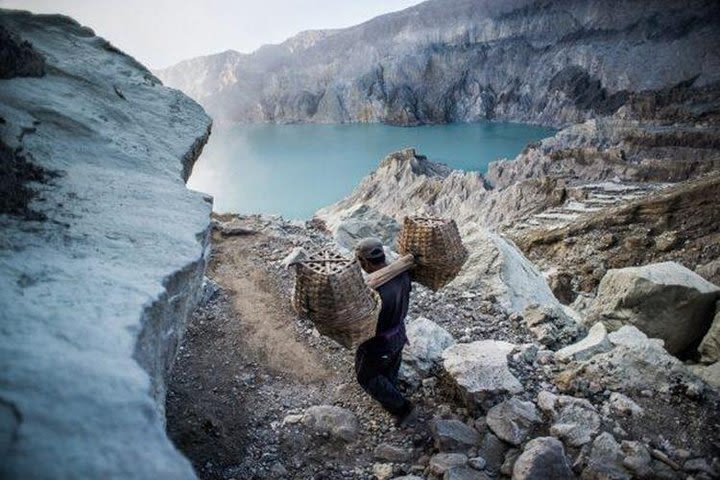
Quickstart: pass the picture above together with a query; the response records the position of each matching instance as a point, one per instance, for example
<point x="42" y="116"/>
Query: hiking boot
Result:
<point x="408" y="419"/>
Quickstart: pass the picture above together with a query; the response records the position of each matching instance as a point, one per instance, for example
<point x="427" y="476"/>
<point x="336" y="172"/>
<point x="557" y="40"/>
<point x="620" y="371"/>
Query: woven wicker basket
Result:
<point x="437" y="247"/>
<point x="330" y="291"/>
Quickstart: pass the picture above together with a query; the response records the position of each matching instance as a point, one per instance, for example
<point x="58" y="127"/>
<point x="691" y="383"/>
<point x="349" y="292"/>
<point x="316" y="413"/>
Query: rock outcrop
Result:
<point x="102" y="265"/>
<point x="663" y="300"/>
<point x="441" y="61"/>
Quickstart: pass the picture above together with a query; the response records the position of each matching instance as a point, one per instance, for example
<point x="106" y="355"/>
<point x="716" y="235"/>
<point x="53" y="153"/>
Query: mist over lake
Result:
<point x="293" y="170"/>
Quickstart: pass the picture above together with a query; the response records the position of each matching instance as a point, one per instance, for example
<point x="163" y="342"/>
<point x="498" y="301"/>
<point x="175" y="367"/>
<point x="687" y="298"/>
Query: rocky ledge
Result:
<point x="102" y="253"/>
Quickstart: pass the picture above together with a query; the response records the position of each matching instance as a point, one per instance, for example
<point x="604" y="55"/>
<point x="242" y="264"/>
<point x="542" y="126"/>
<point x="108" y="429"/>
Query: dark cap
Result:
<point x="370" y="249"/>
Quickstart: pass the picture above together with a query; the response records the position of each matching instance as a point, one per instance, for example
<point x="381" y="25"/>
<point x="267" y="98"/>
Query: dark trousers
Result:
<point x="377" y="374"/>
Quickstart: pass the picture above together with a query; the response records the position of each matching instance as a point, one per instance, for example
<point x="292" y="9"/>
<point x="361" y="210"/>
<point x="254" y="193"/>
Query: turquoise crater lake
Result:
<point x="293" y="170"/>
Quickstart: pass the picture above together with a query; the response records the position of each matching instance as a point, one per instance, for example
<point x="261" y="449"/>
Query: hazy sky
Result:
<point x="160" y="33"/>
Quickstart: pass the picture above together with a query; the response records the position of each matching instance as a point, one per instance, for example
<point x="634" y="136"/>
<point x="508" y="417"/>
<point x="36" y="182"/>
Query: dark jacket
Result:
<point x="390" y="333"/>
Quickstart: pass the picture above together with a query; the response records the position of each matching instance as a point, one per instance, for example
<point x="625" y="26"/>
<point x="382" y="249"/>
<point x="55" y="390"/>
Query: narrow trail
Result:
<point x="247" y="362"/>
<point x="264" y="319"/>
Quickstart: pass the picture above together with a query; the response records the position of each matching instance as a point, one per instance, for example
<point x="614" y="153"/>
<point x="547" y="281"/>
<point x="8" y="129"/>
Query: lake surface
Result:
<point x="293" y="170"/>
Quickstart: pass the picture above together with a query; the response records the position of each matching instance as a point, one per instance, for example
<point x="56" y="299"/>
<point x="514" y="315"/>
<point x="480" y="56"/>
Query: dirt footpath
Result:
<point x="247" y="362"/>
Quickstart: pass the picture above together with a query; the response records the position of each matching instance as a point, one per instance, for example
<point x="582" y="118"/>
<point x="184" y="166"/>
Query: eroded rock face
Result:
<point x="664" y="300"/>
<point x="103" y="285"/>
<point x="444" y="61"/>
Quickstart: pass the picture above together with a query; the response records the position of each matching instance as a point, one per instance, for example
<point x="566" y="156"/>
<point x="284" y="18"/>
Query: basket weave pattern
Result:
<point x="437" y="247"/>
<point x="330" y="291"/>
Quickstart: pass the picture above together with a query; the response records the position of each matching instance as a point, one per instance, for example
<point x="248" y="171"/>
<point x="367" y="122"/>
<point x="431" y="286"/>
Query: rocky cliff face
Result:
<point x="102" y="252"/>
<point x="553" y="62"/>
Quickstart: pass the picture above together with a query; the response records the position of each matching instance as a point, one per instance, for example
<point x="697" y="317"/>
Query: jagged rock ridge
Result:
<point x="102" y="258"/>
<point x="552" y="62"/>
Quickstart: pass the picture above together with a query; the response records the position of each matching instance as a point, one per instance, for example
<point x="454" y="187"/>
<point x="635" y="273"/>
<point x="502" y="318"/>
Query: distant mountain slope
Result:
<point x="552" y="62"/>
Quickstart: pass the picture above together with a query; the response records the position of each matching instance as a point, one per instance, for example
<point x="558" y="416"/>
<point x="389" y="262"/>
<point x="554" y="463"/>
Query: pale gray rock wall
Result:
<point x="554" y="62"/>
<point x="94" y="298"/>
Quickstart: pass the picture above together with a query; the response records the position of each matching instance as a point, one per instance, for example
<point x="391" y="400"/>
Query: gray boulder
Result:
<point x="576" y="421"/>
<point x="392" y="453"/>
<point x="480" y="369"/>
<point x="543" y="458"/>
<point x="426" y="342"/>
<point x="606" y="460"/>
<point x="635" y="363"/>
<point x="710" y="374"/>
<point x="596" y="341"/>
<point x="551" y="326"/>
<point x="664" y="300"/>
<point x="336" y="422"/>
<point x="710" y="346"/>
<point x="364" y="221"/>
<point x="465" y="473"/>
<point x="453" y="435"/>
<point x="512" y="420"/>
<point x="493" y="450"/>
<point x="442" y="462"/>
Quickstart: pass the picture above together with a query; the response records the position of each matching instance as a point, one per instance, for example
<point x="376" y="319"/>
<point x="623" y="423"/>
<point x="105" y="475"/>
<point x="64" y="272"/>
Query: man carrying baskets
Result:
<point x="378" y="359"/>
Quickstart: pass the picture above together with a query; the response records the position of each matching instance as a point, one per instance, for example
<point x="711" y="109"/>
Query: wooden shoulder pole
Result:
<point x="386" y="274"/>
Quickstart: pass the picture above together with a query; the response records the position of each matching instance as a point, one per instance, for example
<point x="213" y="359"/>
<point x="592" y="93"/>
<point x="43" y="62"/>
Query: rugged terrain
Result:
<point x="554" y="63"/>
<point x="251" y="374"/>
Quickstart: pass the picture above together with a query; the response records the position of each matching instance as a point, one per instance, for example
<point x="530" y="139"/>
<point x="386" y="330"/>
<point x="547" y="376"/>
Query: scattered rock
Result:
<point x="576" y="421"/>
<point x="480" y="369"/>
<point x="453" y="435"/>
<point x="382" y="471"/>
<point x="426" y="342"/>
<point x="666" y="241"/>
<point x="510" y="458"/>
<point x="551" y="326"/>
<point x="464" y="473"/>
<point x="512" y="420"/>
<point x="493" y="450"/>
<point x="595" y="342"/>
<point x="622" y="405"/>
<point x="296" y="255"/>
<point x="710" y="374"/>
<point x="636" y="363"/>
<point x="336" y="422"/>
<point x="478" y="463"/>
<point x="699" y="465"/>
<point x="364" y="221"/>
<point x="543" y="458"/>
<point x="664" y="300"/>
<point x="637" y="459"/>
<point x="208" y="291"/>
<point x="442" y="462"/>
<point x="391" y="453"/>
<point x="234" y="228"/>
<point x="710" y="346"/>
<point x="606" y="460"/>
